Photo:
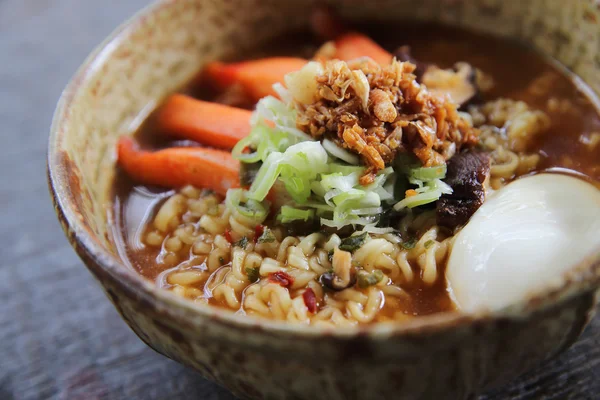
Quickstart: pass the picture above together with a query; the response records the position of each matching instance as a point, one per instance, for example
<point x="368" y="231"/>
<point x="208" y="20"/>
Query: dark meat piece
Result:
<point x="466" y="174"/>
<point x="454" y="213"/>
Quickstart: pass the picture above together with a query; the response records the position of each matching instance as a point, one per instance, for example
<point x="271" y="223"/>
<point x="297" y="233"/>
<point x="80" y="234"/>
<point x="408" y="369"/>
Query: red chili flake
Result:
<point x="258" y="231"/>
<point x="247" y="150"/>
<point x="310" y="300"/>
<point x="227" y="235"/>
<point x="281" y="278"/>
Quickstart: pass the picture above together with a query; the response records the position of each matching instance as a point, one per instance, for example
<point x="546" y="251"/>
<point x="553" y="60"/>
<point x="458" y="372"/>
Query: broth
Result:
<point x="519" y="73"/>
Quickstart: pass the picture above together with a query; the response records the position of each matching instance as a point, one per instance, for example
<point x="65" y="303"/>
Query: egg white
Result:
<point x="524" y="237"/>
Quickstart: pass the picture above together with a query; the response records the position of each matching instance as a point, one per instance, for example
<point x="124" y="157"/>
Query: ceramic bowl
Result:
<point x="440" y="356"/>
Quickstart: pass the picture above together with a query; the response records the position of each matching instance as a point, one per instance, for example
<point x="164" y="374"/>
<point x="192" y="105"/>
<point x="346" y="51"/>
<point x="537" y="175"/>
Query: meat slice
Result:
<point x="466" y="174"/>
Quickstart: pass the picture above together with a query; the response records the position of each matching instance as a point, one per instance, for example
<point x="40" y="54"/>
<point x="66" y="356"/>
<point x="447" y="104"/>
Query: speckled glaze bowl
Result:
<point x="445" y="356"/>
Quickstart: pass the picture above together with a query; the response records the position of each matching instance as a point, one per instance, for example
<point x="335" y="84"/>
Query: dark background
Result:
<point x="60" y="338"/>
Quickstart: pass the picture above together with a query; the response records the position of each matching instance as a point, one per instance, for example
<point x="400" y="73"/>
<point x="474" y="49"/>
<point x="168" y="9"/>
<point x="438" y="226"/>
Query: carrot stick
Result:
<point x="179" y="166"/>
<point x="256" y="77"/>
<point x="211" y="124"/>
<point x="354" y="45"/>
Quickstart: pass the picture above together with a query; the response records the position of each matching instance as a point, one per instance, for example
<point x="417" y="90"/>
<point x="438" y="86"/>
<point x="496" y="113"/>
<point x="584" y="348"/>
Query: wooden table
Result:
<point x="60" y="337"/>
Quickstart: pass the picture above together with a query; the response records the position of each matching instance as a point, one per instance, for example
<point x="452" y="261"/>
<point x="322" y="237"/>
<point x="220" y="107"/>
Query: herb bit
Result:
<point x="365" y="279"/>
<point x="428" y="244"/>
<point x="353" y="242"/>
<point x="252" y="274"/>
<point x="410" y="243"/>
<point x="243" y="242"/>
<point x="267" y="236"/>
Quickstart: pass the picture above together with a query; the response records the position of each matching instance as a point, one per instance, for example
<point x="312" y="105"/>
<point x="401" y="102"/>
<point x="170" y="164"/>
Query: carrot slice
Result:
<point x="212" y="124"/>
<point x="354" y="45"/>
<point x="256" y="76"/>
<point x="179" y="166"/>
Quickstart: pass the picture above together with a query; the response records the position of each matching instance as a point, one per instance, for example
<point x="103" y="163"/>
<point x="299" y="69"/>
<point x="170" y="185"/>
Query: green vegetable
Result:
<point x="267" y="139"/>
<point x="428" y="244"/>
<point x="409" y="244"/>
<point x="351" y="202"/>
<point x="262" y="148"/>
<point x="243" y="242"/>
<point x="428" y="182"/>
<point x="297" y="167"/>
<point x="365" y="279"/>
<point x="352" y="243"/>
<point x="340" y="153"/>
<point x="240" y="205"/>
<point x="289" y="214"/>
<point x="282" y="115"/>
<point x="428" y="173"/>
<point x="267" y="236"/>
<point x="428" y="192"/>
<point x="339" y="181"/>
<point x="346" y="169"/>
<point x="252" y="274"/>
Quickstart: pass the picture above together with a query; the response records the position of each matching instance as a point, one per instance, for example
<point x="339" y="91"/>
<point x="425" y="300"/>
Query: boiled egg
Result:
<point x="522" y="239"/>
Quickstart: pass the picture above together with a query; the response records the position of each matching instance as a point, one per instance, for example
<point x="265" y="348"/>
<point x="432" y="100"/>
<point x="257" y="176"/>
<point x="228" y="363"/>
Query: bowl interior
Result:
<point x="161" y="48"/>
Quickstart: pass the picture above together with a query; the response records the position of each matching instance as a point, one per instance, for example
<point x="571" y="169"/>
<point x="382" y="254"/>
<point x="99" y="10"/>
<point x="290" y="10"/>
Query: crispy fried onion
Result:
<point x="378" y="111"/>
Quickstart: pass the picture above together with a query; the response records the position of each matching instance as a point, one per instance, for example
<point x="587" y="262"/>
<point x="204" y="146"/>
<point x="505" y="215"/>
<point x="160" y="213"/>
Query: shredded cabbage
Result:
<point x="430" y="186"/>
<point x="288" y="214"/>
<point x="429" y="192"/>
<point x="245" y="208"/>
<point x="340" y="153"/>
<point x="282" y="115"/>
<point x="297" y="167"/>
<point x="428" y="173"/>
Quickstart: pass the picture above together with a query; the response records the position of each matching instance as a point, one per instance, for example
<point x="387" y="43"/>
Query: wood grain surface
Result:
<point x="60" y="338"/>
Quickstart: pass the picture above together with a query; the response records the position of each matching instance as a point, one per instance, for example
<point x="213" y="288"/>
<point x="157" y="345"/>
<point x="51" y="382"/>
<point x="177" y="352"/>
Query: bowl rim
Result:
<point x="581" y="279"/>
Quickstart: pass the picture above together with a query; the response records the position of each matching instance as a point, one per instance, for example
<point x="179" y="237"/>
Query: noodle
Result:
<point x="216" y="271"/>
<point x="507" y="128"/>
